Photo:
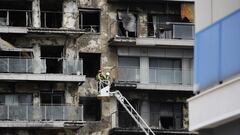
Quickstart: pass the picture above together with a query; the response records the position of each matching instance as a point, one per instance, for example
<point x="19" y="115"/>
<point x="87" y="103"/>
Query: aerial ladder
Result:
<point x="104" y="91"/>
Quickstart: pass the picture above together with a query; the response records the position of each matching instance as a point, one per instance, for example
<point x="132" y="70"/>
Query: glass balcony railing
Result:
<point x="162" y="76"/>
<point x="45" y="65"/>
<point x="27" y="112"/>
<point x="129" y="74"/>
<point x="171" y="30"/>
<point x="173" y="76"/>
<point x="161" y="30"/>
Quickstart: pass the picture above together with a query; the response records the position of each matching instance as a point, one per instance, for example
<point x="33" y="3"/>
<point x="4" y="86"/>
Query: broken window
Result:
<point x="15" y="13"/>
<point x="166" y="115"/>
<point x="91" y="63"/>
<point x="51" y="13"/>
<point x="53" y="56"/>
<point x="127" y="24"/>
<point x="89" y="20"/>
<point x="124" y="119"/>
<point x="173" y="22"/>
<point x="92" y="108"/>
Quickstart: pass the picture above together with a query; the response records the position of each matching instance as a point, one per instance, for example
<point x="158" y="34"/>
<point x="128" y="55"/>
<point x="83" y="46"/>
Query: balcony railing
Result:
<point x="11" y="17"/>
<point x="25" y="112"/>
<point x="129" y="74"/>
<point x="163" y="30"/>
<point x="173" y="76"/>
<point x="171" y="30"/>
<point x="163" y="76"/>
<point x="51" y="19"/>
<point x="155" y="119"/>
<point x="28" y="65"/>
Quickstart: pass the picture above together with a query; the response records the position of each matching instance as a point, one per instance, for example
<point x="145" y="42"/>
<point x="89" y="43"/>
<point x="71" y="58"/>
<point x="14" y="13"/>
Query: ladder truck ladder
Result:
<point x="104" y="91"/>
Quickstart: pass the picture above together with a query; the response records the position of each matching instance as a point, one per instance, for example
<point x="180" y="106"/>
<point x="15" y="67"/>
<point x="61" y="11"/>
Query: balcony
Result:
<point x="27" y="115"/>
<point x="159" y="34"/>
<point x="21" y="21"/>
<point x="157" y="78"/>
<point x="40" y="69"/>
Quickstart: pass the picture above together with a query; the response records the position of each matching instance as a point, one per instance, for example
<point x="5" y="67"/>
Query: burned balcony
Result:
<point x="15" y="21"/>
<point x="171" y="30"/>
<point x="51" y="19"/>
<point x="27" y="115"/>
<point x="46" y="69"/>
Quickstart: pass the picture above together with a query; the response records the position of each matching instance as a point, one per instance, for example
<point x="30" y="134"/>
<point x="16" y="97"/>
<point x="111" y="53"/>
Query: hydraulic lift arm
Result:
<point x="104" y="91"/>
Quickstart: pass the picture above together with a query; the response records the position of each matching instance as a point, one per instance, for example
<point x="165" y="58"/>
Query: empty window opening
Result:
<point x="89" y="20"/>
<point x="127" y="24"/>
<point x="51" y="13"/>
<point x="17" y="13"/>
<point x="92" y="108"/>
<point x="166" y="122"/>
<point x="53" y="57"/>
<point x="91" y="63"/>
<point x="166" y="115"/>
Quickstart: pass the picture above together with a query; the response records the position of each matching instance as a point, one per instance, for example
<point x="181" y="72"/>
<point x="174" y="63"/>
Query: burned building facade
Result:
<point x="51" y="51"/>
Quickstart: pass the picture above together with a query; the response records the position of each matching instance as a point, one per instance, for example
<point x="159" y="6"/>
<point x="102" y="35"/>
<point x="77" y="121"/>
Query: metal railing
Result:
<point x="162" y="30"/>
<point x="153" y="119"/>
<point x="51" y="19"/>
<point x="90" y="28"/>
<point x="29" y="65"/>
<point x="175" y="76"/>
<point x="10" y="17"/>
<point x="26" y="112"/>
<point x="171" y="30"/>
<point x="130" y="74"/>
<point x="164" y="76"/>
<point x="16" y="65"/>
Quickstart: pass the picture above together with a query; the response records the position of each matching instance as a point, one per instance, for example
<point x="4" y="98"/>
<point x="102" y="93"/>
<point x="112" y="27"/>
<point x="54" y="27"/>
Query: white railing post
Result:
<point x="26" y="13"/>
<point x="45" y="112"/>
<point x="63" y="108"/>
<point x="7" y="21"/>
<point x="81" y="110"/>
<point x="26" y="112"/>
<point x="8" y="63"/>
<point x="8" y="112"/>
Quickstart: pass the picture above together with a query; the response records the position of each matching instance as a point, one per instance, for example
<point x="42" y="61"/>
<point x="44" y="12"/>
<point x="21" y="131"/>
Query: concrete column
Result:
<point x="38" y="66"/>
<point x="186" y="71"/>
<point x="145" y="111"/>
<point x="144" y="69"/>
<point x="36" y="106"/>
<point x="36" y="14"/>
<point x="114" y="112"/>
<point x="142" y="25"/>
<point x="70" y="14"/>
